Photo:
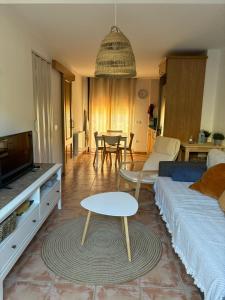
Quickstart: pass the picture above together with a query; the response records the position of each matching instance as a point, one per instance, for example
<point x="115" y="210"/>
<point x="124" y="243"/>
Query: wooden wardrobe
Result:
<point x="180" y="96"/>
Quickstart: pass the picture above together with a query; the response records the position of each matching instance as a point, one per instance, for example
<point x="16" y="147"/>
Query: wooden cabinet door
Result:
<point x="67" y="119"/>
<point x="184" y="93"/>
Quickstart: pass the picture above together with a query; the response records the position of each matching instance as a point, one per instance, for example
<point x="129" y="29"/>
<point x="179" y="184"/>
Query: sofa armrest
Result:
<point x="166" y="167"/>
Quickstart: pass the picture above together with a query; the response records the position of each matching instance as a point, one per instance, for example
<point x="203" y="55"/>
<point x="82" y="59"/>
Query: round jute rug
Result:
<point x="103" y="257"/>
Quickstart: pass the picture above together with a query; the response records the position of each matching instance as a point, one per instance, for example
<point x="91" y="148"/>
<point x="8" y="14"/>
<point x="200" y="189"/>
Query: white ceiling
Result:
<point x="74" y="31"/>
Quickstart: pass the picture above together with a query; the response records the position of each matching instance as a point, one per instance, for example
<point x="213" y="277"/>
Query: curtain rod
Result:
<point x="38" y="55"/>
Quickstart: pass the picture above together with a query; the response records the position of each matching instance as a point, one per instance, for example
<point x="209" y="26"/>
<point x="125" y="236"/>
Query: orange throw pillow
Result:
<point x="222" y="201"/>
<point x="212" y="182"/>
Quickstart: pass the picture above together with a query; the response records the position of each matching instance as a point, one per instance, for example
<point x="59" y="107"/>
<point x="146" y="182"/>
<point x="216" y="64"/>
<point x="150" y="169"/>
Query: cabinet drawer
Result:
<point x="14" y="242"/>
<point x="49" y="200"/>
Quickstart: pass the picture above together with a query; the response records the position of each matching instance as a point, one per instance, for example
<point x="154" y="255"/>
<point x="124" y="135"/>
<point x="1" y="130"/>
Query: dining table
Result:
<point x="124" y="137"/>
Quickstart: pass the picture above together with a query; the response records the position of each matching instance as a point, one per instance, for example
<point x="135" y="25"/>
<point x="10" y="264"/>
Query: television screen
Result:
<point x="16" y="156"/>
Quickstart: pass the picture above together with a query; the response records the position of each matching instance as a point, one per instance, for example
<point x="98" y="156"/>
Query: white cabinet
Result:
<point x="49" y="199"/>
<point x="45" y="193"/>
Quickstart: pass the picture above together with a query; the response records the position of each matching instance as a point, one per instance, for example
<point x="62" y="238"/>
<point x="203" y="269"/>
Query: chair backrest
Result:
<point x="165" y="149"/>
<point x="167" y="145"/>
<point x="111" y="140"/>
<point x="119" y="131"/>
<point x="131" y="140"/>
<point x="96" y="138"/>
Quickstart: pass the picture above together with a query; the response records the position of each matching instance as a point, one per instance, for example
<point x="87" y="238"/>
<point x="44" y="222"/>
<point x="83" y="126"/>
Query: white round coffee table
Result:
<point x="117" y="204"/>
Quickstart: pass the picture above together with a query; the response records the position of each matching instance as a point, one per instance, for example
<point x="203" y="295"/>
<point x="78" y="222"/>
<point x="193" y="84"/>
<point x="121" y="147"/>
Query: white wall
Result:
<point x="77" y="97"/>
<point x="85" y="93"/>
<point x="219" y="112"/>
<point x="140" y="123"/>
<point x="57" y="116"/>
<point x="213" y="109"/>
<point x="210" y="89"/>
<point x="16" y="84"/>
<point x="80" y="101"/>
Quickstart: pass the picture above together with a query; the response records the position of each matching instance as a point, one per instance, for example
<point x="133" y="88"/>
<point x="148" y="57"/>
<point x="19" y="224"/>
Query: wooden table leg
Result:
<point x="127" y="238"/>
<point x="125" y="151"/>
<point x="186" y="155"/>
<point x="86" y="227"/>
<point x="118" y="181"/>
<point x="180" y="155"/>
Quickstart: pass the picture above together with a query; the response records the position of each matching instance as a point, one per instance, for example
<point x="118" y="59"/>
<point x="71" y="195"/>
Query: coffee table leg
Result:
<point x="86" y="227"/>
<point x="122" y="223"/>
<point x="127" y="238"/>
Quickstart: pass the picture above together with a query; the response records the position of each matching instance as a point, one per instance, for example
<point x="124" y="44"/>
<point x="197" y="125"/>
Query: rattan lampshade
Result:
<point x="115" y="57"/>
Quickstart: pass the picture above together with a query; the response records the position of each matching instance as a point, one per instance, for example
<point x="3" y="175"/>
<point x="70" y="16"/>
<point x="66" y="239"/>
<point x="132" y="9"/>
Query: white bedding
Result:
<point x="197" y="225"/>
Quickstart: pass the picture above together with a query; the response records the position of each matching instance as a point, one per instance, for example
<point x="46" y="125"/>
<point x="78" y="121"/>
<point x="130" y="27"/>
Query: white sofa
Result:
<point x="197" y="225"/>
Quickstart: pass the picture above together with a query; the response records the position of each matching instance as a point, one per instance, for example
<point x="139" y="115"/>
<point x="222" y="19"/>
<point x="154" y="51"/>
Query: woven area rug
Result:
<point x="103" y="257"/>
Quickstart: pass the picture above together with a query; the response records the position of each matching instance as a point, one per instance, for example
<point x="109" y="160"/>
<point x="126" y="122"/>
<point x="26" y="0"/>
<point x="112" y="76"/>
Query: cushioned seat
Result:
<point x="165" y="149"/>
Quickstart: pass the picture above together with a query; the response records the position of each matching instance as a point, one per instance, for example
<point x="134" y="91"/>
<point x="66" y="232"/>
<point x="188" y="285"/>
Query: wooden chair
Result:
<point x="98" y="147"/>
<point x="129" y="147"/>
<point x="165" y="149"/>
<point x="111" y="145"/>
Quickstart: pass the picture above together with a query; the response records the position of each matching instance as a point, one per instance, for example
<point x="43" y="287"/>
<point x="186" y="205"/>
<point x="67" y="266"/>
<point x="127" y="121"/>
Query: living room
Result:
<point x="66" y="37"/>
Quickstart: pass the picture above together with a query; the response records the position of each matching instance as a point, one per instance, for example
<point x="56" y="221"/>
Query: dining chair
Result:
<point x="165" y="149"/>
<point x="98" y="147"/>
<point x="111" y="146"/>
<point x="129" y="147"/>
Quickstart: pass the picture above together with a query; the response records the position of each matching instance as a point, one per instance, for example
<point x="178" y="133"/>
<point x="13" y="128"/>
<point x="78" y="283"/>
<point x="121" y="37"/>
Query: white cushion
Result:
<point x="215" y="157"/>
<point x="152" y="163"/>
<point x="166" y="145"/>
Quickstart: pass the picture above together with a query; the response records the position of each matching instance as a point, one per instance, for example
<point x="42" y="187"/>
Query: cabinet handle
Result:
<point x="57" y="191"/>
<point x="47" y="203"/>
<point x="14" y="246"/>
<point x="34" y="221"/>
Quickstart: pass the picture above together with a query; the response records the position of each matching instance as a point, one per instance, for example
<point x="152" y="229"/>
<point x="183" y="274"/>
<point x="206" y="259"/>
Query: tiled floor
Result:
<point x="30" y="279"/>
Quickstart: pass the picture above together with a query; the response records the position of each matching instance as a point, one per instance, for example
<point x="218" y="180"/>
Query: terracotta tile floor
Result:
<point x="30" y="279"/>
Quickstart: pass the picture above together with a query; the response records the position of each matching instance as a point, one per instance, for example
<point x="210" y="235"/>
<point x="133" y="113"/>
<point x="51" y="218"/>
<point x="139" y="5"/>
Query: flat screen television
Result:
<point x="16" y="156"/>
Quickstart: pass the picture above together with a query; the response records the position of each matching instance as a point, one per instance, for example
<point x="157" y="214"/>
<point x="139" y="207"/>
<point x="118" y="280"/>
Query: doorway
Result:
<point x="67" y="78"/>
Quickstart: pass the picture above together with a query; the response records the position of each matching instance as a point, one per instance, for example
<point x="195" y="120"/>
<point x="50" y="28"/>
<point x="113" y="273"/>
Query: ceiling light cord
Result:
<point x="115" y="12"/>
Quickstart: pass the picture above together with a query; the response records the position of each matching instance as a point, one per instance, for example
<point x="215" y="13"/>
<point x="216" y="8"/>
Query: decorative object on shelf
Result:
<point x="190" y="140"/>
<point x="218" y="138"/>
<point x="203" y="136"/>
<point x="143" y="94"/>
<point x="24" y="207"/>
<point x="207" y="135"/>
<point x="115" y="57"/>
<point x="7" y="226"/>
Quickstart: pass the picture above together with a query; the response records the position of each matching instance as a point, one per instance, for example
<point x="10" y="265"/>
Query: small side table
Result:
<point x="199" y="148"/>
<point x="117" y="204"/>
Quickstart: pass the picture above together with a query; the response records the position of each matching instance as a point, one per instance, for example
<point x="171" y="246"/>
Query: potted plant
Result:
<point x="218" y="138"/>
<point x="207" y="135"/>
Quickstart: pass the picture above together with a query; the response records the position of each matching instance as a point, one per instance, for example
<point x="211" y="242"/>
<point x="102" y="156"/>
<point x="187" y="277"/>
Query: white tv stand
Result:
<point x="45" y="197"/>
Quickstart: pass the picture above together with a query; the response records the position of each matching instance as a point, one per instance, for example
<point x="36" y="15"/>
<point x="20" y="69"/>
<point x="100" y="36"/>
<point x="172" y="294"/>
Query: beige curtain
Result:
<point x="111" y="105"/>
<point x="43" y="110"/>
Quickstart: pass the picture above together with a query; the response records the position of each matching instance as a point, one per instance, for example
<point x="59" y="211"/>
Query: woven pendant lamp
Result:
<point x="115" y="57"/>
